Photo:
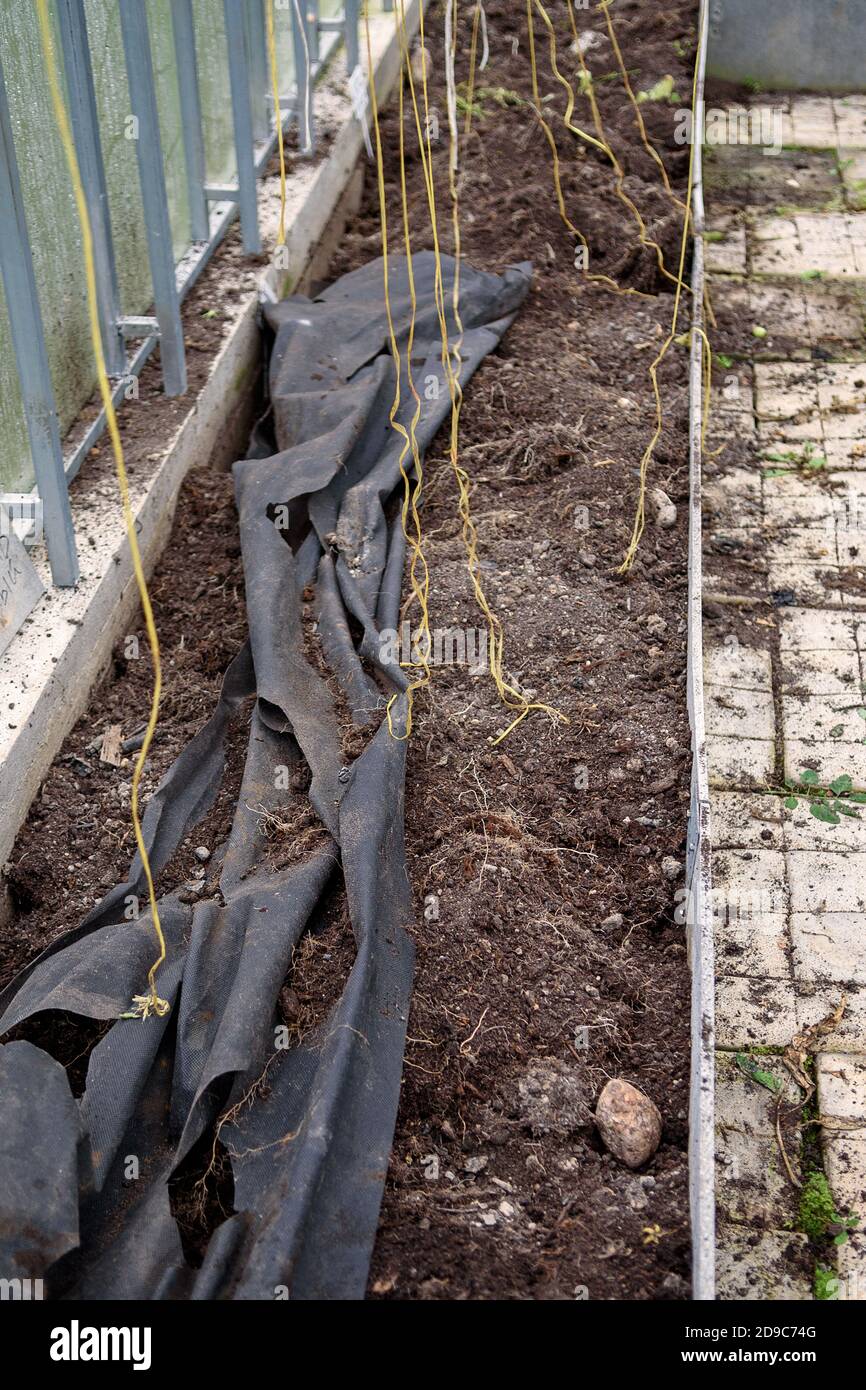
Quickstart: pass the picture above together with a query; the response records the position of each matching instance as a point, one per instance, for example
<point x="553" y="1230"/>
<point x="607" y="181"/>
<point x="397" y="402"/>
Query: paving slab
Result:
<point x="828" y="947"/>
<point x="753" y="1265"/>
<point x="753" y="1012"/>
<point x="851" y="1266"/>
<point x="740" y="762"/>
<point x="744" y="820"/>
<point x="842" y="1086"/>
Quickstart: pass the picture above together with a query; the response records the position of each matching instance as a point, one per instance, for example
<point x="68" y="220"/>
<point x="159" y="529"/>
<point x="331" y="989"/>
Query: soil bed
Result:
<point x="549" y="957"/>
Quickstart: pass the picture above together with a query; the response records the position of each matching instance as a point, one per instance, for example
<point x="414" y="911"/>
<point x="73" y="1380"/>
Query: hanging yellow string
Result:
<point x="602" y="142"/>
<point x="144" y="1004"/>
<point x="648" y="145"/>
<point x="473" y="60"/>
<point x="420" y="588"/>
<point x="640" y="511"/>
<point x="411" y="495"/>
<point x="510" y="696"/>
<point x="278" y="116"/>
<point x="605" y="280"/>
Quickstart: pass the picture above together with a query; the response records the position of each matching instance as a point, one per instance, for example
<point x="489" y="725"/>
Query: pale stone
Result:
<point x="822" y="882"/>
<point x="751" y="1184"/>
<point x="851" y="1262"/>
<point x="745" y="1105"/>
<point x="819" y="718"/>
<point x="830" y="760"/>
<point x="822" y="672"/>
<point x="629" y="1123"/>
<point x="752" y="948"/>
<point x="845" y="1166"/>
<point x="815" y="1002"/>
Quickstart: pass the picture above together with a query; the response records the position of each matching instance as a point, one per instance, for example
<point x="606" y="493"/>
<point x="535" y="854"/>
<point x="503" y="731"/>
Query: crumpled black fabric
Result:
<point x="84" y="1201"/>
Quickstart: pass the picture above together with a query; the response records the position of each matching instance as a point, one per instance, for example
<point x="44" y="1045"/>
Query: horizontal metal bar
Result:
<point x="332" y="26"/>
<point x="215" y="193"/>
<point x="139" y="327"/>
<point x="97" y="428"/>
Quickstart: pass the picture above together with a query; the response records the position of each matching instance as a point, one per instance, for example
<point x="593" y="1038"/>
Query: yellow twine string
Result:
<point x="144" y="1004"/>
<point x="473" y="59"/>
<point x="602" y="142"/>
<point x="278" y="117"/>
<point x="511" y="697"/>
<point x="640" y="510"/>
<point x="648" y="145"/>
<point x="420" y="589"/>
<point x="605" y="280"/>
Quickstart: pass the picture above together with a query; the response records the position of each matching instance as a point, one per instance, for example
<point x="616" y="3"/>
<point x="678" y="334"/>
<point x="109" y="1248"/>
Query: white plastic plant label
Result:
<point x="20" y="585"/>
<point x="359" y="92"/>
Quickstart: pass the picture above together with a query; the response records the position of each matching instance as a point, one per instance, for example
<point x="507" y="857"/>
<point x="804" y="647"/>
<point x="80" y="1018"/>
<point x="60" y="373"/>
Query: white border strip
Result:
<point x="702" y="1197"/>
<point x="702" y="1144"/>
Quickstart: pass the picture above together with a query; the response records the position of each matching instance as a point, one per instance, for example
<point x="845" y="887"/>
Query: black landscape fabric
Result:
<point x="85" y="1195"/>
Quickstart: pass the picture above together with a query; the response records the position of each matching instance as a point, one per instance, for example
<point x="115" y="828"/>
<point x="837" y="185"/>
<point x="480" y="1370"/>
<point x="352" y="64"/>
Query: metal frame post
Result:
<point x="303" y="78"/>
<point x="351" y="11"/>
<point x="83" y="116"/>
<point x="239" y="81"/>
<point x="151" y="172"/>
<point x="311" y="17"/>
<point x="28" y="340"/>
<point x="260" y="84"/>
<point x="183" y="29"/>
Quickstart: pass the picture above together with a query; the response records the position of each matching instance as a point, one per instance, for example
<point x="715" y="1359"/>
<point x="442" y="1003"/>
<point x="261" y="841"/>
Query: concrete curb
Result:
<point x="702" y="1198"/>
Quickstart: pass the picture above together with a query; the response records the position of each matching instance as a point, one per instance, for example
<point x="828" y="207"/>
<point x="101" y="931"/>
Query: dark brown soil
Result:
<point x="523" y="854"/>
<point x="549" y="957"/>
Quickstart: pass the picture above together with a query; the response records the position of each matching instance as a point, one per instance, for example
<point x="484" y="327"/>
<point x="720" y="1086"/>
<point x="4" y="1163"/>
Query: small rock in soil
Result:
<point x="202" y="853"/>
<point x="614" y="920"/>
<point x="664" y="508"/>
<point x="671" y="868"/>
<point x="475" y="1165"/>
<point x="629" y="1123"/>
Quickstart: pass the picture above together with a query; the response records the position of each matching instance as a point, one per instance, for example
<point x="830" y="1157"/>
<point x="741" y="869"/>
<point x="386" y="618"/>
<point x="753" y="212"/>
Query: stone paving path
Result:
<point x="785" y="671"/>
